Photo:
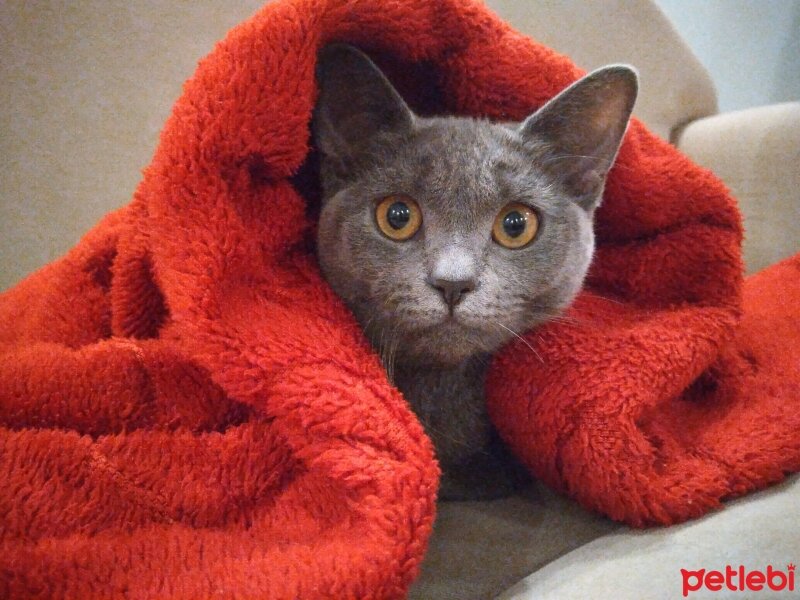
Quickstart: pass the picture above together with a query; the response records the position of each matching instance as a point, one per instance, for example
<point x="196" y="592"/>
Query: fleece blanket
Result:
<point x="187" y="411"/>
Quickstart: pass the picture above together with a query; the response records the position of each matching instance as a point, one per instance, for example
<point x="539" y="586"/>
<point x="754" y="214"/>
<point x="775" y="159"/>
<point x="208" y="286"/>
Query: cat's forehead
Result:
<point x="467" y="143"/>
<point x="469" y="162"/>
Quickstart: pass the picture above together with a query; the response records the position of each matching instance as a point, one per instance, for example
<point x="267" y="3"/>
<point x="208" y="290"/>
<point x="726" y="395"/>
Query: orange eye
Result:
<point x="398" y="217"/>
<point x="515" y="226"/>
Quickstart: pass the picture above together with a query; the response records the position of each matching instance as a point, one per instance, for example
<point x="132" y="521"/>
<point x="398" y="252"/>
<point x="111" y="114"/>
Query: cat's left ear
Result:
<point x="583" y="128"/>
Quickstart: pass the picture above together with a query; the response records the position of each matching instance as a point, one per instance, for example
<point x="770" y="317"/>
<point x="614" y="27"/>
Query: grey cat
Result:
<point x="448" y="236"/>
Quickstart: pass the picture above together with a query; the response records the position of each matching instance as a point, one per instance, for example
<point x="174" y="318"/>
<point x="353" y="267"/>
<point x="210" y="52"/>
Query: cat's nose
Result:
<point x="453" y="290"/>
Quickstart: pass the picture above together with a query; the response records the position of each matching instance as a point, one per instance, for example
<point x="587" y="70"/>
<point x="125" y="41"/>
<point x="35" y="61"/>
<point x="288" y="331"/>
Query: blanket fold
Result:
<point x="187" y="410"/>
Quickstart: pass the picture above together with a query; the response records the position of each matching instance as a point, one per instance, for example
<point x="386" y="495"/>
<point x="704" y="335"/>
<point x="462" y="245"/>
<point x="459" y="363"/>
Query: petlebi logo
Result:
<point x="739" y="579"/>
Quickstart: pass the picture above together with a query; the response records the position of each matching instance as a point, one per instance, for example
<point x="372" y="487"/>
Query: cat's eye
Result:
<point x="398" y="217"/>
<point x="515" y="226"/>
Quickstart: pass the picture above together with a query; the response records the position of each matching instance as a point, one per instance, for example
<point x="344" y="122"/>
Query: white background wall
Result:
<point x="750" y="47"/>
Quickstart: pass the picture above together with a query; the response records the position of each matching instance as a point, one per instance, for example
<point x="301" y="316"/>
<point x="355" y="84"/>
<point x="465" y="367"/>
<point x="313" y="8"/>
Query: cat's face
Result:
<point x="458" y="176"/>
<point x="448" y="236"/>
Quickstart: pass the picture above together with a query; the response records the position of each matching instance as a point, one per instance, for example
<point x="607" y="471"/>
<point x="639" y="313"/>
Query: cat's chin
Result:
<point x="448" y="344"/>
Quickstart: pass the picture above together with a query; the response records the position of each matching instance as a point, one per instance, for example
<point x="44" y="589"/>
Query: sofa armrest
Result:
<point x="756" y="152"/>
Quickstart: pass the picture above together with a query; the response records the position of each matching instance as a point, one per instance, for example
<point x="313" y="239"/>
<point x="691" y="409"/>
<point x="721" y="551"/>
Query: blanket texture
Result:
<point x="187" y="411"/>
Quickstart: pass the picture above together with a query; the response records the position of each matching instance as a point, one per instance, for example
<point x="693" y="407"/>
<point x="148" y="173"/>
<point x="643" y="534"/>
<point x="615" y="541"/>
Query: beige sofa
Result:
<point x="87" y="86"/>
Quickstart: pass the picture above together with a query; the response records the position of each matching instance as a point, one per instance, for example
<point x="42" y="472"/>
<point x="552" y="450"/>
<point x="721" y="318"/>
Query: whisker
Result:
<point x="524" y="341"/>
<point x="607" y="298"/>
<point x="563" y="156"/>
<point x="394" y="344"/>
<point x="366" y="326"/>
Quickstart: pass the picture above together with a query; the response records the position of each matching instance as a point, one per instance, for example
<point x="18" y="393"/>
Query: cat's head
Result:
<point x="445" y="236"/>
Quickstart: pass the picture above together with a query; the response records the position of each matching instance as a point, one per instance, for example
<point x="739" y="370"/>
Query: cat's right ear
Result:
<point x="356" y="103"/>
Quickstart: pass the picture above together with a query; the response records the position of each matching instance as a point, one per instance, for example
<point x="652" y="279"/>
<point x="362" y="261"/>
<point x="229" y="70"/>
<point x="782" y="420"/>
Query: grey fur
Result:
<point x="461" y="172"/>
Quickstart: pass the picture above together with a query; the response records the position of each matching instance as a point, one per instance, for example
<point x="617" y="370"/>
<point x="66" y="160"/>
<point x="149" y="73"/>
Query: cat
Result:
<point x="449" y="236"/>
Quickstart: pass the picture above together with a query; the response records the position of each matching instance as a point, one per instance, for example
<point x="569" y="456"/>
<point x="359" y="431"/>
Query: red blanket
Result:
<point x="186" y="410"/>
